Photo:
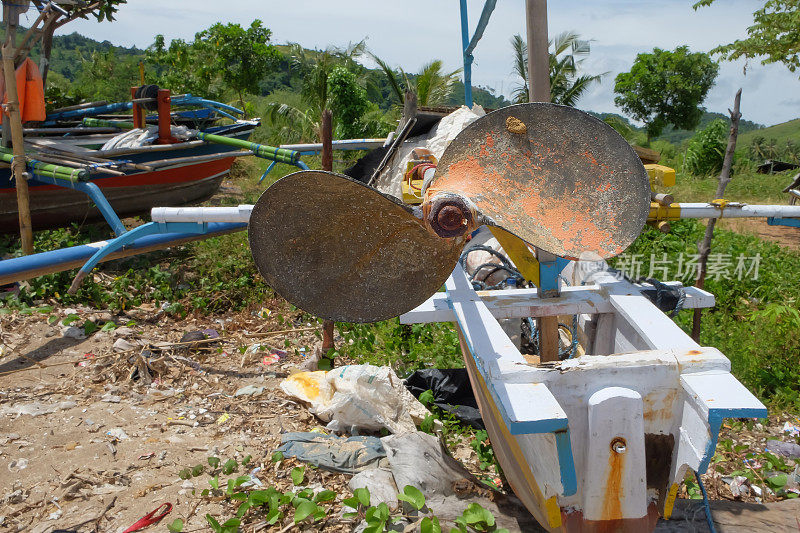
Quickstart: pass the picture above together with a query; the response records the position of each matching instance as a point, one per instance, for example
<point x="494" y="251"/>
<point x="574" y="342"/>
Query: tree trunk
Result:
<point x="47" y="47"/>
<point x="704" y="246"/>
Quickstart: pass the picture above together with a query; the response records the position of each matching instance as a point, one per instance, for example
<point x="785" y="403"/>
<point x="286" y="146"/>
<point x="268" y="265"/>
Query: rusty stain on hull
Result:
<point x="612" y="503"/>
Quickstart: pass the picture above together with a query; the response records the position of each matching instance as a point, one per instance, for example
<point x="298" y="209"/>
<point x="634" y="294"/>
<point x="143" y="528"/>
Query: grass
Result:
<point x="746" y="186"/>
<point x="781" y="132"/>
<point x="755" y="322"/>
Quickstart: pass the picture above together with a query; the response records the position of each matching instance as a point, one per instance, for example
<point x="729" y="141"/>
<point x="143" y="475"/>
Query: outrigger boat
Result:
<point x="132" y="179"/>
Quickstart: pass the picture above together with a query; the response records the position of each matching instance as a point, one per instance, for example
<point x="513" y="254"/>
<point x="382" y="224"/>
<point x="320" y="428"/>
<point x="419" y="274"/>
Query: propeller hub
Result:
<point x="449" y="217"/>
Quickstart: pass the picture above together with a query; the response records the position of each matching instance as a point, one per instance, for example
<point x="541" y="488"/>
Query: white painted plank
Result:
<point x="521" y="303"/>
<point x="656" y="329"/>
<point x="721" y="392"/>
<point x="614" y="484"/>
<point x="529" y="407"/>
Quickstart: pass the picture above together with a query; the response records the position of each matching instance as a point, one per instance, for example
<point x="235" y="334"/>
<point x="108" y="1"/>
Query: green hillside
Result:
<point x="785" y="131"/>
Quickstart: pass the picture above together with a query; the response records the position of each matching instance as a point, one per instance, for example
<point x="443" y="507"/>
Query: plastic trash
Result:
<point x="379" y="482"/>
<point x="785" y="449"/>
<point x="36" y="408"/>
<point x="117" y="434"/>
<point x="452" y="392"/>
<point x="791" y="429"/>
<point x="199" y="335"/>
<point x="340" y="454"/>
<point x="363" y="397"/>
<point x="249" y="390"/>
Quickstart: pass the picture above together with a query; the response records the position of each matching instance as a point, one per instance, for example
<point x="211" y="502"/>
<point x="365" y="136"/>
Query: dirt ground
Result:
<point x="87" y="444"/>
<point x="91" y="439"/>
<point x="783" y="235"/>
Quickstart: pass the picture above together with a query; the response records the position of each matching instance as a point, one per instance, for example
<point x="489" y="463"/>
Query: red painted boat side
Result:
<point x="129" y="195"/>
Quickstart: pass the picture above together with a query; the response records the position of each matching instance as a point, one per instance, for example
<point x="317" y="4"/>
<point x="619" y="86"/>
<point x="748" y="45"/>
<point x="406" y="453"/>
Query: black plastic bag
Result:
<point x="452" y="392"/>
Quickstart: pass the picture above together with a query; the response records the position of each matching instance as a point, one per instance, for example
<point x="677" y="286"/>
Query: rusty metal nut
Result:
<point x="449" y="217"/>
<point x="618" y="445"/>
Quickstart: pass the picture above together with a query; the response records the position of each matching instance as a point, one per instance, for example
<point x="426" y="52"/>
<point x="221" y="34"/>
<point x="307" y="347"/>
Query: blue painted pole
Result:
<point x="31" y="266"/>
<point x="466" y="56"/>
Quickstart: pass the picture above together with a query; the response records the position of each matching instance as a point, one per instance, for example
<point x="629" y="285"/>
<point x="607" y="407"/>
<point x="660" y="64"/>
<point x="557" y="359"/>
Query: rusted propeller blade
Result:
<point x="554" y="176"/>
<point x="341" y="250"/>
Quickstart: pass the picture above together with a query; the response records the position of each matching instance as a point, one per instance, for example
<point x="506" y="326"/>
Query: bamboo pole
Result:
<point x="327" y="164"/>
<point x="704" y="246"/>
<point x="14" y="122"/>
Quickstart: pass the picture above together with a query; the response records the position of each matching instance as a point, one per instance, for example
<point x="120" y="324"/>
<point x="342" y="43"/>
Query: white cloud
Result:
<point x="413" y="32"/>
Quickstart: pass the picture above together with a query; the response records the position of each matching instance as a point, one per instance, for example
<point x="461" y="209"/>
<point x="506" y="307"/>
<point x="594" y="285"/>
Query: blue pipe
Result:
<point x="467" y="57"/>
<point x="488" y="7"/>
<point x="25" y="267"/>
<point x="123" y="106"/>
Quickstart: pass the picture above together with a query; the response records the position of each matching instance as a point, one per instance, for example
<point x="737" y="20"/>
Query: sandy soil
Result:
<point x="97" y="447"/>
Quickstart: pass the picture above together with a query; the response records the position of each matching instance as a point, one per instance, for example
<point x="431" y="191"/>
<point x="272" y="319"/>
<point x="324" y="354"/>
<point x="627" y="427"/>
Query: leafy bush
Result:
<point x="707" y="149"/>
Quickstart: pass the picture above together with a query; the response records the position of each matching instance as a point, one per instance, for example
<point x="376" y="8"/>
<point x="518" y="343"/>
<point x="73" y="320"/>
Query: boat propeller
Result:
<point x="557" y="178"/>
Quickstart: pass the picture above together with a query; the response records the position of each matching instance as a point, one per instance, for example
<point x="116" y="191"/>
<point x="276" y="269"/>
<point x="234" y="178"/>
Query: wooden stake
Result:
<point x="704" y="246"/>
<point x="538" y="53"/>
<point x="13" y="121"/>
<point x="327" y="164"/>
<point x="539" y="91"/>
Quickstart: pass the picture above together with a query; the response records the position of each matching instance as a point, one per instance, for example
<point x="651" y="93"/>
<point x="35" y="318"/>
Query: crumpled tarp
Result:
<point x="451" y="390"/>
<point x="351" y="454"/>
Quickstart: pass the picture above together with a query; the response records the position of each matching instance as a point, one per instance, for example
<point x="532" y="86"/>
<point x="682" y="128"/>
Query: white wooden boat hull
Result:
<point x="600" y="442"/>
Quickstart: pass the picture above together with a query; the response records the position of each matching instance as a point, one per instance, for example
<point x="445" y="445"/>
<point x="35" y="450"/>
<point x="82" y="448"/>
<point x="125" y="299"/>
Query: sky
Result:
<point x="413" y="32"/>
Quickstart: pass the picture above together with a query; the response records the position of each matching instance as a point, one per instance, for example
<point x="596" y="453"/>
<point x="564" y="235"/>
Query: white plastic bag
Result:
<point x="366" y="397"/>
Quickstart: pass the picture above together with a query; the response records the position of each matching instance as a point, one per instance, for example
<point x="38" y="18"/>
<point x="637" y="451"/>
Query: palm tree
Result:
<point x="315" y="66"/>
<point x="520" y="93"/>
<point x="566" y="56"/>
<point x="431" y="85"/>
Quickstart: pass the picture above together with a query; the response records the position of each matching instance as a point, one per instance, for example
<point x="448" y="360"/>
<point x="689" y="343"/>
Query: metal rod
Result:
<point x="731" y="210"/>
<point x="345" y="144"/>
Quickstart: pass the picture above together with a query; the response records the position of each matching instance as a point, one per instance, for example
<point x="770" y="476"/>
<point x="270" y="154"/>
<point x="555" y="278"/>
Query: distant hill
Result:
<point x="786" y="131"/>
<point x="70" y="51"/>
<point x="678" y="136"/>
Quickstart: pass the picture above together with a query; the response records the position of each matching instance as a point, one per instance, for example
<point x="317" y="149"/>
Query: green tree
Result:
<point x="106" y="76"/>
<point x="316" y="68"/>
<point x="348" y="102"/>
<point x="666" y="87"/>
<point x="567" y="84"/>
<point x="774" y="35"/>
<point x="240" y="56"/>
<point x="177" y="68"/>
<point x="221" y="58"/>
<point x="431" y="85"/>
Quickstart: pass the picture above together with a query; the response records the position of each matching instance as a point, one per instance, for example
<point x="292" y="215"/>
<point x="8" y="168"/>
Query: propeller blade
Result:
<point x="552" y="175"/>
<point x="341" y="250"/>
